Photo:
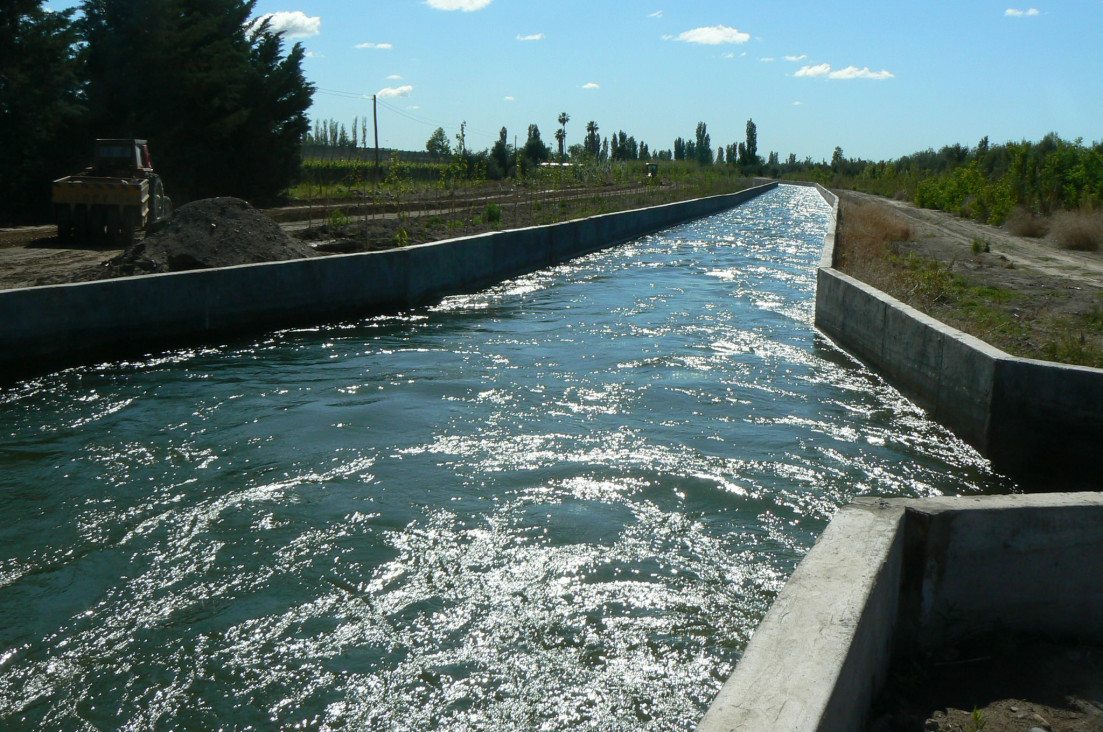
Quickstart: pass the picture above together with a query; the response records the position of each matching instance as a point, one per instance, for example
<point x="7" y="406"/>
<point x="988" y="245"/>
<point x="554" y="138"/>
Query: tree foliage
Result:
<point x="220" y="99"/>
<point x="535" y="151"/>
<point x="703" y="145"/>
<point x="592" y="141"/>
<point x="438" y="145"/>
<point x="41" y="110"/>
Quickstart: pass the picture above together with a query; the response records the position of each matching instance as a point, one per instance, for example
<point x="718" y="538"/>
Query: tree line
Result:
<point x="985" y="182"/>
<point x="220" y="98"/>
<point x="504" y="160"/>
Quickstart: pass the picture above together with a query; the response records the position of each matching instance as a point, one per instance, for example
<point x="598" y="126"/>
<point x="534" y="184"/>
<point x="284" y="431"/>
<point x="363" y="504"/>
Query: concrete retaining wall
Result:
<point x="42" y="326"/>
<point x="886" y="574"/>
<point x="1034" y="420"/>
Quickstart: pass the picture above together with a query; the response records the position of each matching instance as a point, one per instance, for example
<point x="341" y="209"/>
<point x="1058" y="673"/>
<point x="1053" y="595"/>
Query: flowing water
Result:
<point x="563" y="502"/>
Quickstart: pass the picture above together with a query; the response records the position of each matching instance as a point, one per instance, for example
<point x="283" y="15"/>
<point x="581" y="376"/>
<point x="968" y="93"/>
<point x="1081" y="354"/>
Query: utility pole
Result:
<point x="375" y="127"/>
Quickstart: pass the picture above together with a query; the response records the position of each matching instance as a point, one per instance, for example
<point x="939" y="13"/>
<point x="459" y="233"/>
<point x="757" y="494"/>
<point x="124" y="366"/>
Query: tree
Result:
<point x="40" y="107"/>
<point x="535" y="151"/>
<point x="499" y="156"/>
<point x="438" y="145"/>
<point x="276" y="95"/>
<point x="837" y="160"/>
<point x="720" y="155"/>
<point x="592" y="141"/>
<point x="732" y="151"/>
<point x="561" y="134"/>
<point x="223" y="107"/>
<point x="751" y="160"/>
<point x="461" y="140"/>
<point x="703" y="146"/>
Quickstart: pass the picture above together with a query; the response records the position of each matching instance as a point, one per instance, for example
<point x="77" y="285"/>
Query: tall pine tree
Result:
<point x="40" y="106"/>
<point x="223" y="108"/>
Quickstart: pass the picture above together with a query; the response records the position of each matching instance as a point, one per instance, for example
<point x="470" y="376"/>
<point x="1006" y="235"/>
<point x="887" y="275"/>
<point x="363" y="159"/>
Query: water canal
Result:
<point x="563" y="502"/>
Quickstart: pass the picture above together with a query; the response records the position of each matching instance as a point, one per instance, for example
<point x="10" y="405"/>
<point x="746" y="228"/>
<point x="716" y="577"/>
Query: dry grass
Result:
<point x="1023" y="222"/>
<point x="869" y="231"/>
<point x="1080" y="230"/>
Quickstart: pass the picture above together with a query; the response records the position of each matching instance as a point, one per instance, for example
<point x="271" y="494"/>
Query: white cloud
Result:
<point x="376" y="46"/>
<point x="591" y="85"/>
<point x="533" y="37"/>
<point x="797" y="104"/>
<point x="797" y="58"/>
<point x="392" y="92"/>
<point x="1015" y="13"/>
<point x="656" y="14"/>
<point x="767" y="60"/>
<point x="510" y="98"/>
<point x="819" y="70"/>
<point x="394" y="77"/>
<point x="714" y="35"/>
<point x="311" y="54"/>
<point x="293" y="24"/>
<point x="465" y="5"/>
<point x="850" y="72"/>
<point x="853" y="72"/>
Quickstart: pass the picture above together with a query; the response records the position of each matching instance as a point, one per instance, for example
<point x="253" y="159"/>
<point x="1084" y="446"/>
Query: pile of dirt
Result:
<point x="212" y="232"/>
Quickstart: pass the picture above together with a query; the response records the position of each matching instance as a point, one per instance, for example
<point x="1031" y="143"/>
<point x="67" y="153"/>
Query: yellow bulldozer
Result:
<point x="114" y="198"/>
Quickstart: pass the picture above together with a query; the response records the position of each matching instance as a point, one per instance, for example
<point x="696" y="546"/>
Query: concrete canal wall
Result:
<point x="1033" y="419"/>
<point x="887" y="572"/>
<point x="40" y="326"/>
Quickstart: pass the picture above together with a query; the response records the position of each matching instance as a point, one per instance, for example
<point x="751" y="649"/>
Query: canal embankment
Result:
<point x="1036" y="420"/>
<point x="905" y="576"/>
<point x="43" y="326"/>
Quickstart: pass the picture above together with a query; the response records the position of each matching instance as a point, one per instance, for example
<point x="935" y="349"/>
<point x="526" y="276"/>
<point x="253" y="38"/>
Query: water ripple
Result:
<point x="562" y="502"/>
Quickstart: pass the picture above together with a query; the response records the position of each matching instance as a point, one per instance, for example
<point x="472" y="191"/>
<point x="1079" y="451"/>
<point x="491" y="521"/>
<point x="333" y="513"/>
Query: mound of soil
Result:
<point x="212" y="232"/>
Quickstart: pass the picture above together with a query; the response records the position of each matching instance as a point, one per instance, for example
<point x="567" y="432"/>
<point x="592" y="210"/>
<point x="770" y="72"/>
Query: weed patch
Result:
<point x="1079" y="230"/>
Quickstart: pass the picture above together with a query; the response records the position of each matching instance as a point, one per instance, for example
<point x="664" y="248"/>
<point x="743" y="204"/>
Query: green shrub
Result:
<point x="338" y="219"/>
<point x="493" y="213"/>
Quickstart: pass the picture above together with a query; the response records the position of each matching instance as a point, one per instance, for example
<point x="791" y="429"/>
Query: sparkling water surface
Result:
<point x="561" y="503"/>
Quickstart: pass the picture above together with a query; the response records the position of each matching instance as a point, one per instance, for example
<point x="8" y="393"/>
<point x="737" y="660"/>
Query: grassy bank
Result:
<point x="977" y="292"/>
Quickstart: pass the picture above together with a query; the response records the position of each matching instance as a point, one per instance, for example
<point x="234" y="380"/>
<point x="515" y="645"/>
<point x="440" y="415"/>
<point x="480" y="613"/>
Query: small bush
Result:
<point x="1024" y="222"/>
<point x="493" y="213"/>
<point x="980" y="246"/>
<point x="866" y="234"/>
<point x="1079" y="230"/>
<point x="338" y="219"/>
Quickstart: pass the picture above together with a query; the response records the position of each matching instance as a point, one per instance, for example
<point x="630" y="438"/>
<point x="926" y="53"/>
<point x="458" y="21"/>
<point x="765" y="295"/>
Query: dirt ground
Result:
<point x="33" y="256"/>
<point x="1014" y="684"/>
<point x="1041" y="301"/>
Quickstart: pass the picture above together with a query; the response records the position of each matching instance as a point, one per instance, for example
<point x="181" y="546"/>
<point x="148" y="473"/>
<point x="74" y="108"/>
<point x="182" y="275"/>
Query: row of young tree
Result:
<point x="986" y="182"/>
<point x="504" y="160"/>
<point x="220" y="99"/>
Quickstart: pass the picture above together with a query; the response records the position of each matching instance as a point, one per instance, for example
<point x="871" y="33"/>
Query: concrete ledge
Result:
<point x="817" y="657"/>
<point x="1034" y="420"/>
<point x="47" y="326"/>
<point x="885" y="572"/>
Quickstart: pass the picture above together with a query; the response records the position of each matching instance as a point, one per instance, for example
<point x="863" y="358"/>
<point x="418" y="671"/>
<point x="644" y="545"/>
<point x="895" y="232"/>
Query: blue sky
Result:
<point x="880" y="79"/>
